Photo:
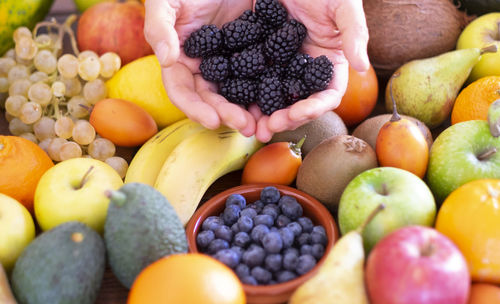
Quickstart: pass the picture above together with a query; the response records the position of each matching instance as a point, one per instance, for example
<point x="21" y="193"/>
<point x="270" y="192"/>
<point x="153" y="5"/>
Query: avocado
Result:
<point x="63" y="265"/>
<point x="141" y="227"/>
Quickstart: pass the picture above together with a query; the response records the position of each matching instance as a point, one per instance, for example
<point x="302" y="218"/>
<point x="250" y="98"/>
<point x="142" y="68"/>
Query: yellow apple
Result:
<point x="481" y="32"/>
<point x="17" y="230"/>
<point x="74" y="190"/>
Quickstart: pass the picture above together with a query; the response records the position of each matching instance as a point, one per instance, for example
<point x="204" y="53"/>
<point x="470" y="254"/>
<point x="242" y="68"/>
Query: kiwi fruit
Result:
<point x="369" y="128"/>
<point x="327" y="125"/>
<point x="330" y="166"/>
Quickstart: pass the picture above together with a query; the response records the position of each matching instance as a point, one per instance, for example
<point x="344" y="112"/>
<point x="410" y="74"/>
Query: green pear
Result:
<point x="427" y="88"/>
<point x="494" y="118"/>
<point x="340" y="279"/>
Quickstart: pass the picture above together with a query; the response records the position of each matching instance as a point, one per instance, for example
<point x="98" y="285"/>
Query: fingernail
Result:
<point x="362" y="54"/>
<point x="161" y="52"/>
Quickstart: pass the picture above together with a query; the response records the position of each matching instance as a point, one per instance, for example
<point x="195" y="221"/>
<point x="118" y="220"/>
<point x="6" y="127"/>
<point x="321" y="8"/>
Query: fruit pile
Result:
<point x="256" y="58"/>
<point x="268" y="241"/>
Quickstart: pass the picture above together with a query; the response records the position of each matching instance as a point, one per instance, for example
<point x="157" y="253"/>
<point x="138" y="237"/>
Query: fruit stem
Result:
<point x="117" y="197"/>
<point x="428" y="249"/>
<point x="67" y="28"/>
<point x="489" y="49"/>
<point x="395" y="114"/>
<point x="370" y="217"/>
<point x="77" y="237"/>
<point x="84" y="178"/>
<point x="487" y="154"/>
<point x="296" y="147"/>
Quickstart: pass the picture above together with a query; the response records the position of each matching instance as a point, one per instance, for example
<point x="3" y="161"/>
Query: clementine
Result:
<point x="22" y="163"/>
<point x="360" y="97"/>
<point x="481" y="293"/>
<point x="474" y="100"/>
<point x="187" y="278"/>
<point x="470" y="217"/>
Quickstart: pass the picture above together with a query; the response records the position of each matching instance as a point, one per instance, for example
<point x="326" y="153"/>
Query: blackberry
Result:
<point x="301" y="28"/>
<point x="275" y="70"/>
<point x="271" y="12"/>
<point x="238" y="34"/>
<point x="318" y="74"/>
<point x="204" y="42"/>
<point x="215" y="68"/>
<point x="248" y="63"/>
<point x="280" y="46"/>
<point x="270" y="96"/>
<point x="297" y="65"/>
<point x="294" y="90"/>
<point x="240" y="91"/>
<point x="249" y="16"/>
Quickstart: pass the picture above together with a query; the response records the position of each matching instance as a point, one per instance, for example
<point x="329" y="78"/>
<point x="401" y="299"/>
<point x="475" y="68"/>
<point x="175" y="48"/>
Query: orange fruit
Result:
<point x="470" y="217"/>
<point x="187" y="278"/>
<point x="22" y="163"/>
<point x="474" y="100"/>
<point x="481" y="293"/>
<point x="360" y="97"/>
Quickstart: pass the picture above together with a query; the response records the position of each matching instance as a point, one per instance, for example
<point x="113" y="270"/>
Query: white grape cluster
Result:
<point x="48" y="97"/>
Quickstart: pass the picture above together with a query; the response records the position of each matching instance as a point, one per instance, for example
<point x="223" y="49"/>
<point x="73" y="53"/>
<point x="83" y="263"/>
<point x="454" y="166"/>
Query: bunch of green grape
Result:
<point x="49" y="97"/>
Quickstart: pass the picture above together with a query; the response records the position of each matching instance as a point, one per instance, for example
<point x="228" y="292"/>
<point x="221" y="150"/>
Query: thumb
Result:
<point x="160" y="32"/>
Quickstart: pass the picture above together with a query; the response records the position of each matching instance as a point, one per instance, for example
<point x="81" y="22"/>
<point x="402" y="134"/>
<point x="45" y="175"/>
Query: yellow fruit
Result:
<point x="140" y="82"/>
<point x="17" y="230"/>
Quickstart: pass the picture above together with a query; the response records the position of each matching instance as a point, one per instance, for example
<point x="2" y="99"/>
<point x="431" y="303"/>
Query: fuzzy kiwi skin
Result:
<point x="327" y="125"/>
<point x="368" y="129"/>
<point x="331" y="165"/>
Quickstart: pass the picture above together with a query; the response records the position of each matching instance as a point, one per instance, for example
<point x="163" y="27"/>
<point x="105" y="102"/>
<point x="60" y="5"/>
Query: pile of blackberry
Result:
<point x="266" y="242"/>
<point x="256" y="58"/>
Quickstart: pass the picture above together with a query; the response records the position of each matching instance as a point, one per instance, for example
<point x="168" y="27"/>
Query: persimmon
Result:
<point x="401" y="144"/>
<point x="276" y="163"/>
<point x="122" y="122"/>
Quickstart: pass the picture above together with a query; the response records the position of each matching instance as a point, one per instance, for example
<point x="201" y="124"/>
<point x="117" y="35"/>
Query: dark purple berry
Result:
<point x="204" y="238"/>
<point x="236" y="199"/>
<point x="217" y="245"/>
<point x="272" y="242"/>
<point x="270" y="195"/>
<point x="290" y="208"/>
<point x="253" y="256"/>
<point x="231" y="214"/>
<point x="285" y="276"/>
<point x="224" y="232"/>
<point x="211" y="222"/>
<point x="273" y="262"/>
<point x="258" y="232"/>
<point x="245" y="224"/>
<point x="228" y="257"/>
<point x="263" y="219"/>
<point x="295" y="227"/>
<point x="263" y="276"/>
<point x="317" y="251"/>
<point x="306" y="224"/>
<point x="305" y="263"/>
<point x="249" y="212"/>
<point x="282" y="221"/>
<point x="241" y="239"/>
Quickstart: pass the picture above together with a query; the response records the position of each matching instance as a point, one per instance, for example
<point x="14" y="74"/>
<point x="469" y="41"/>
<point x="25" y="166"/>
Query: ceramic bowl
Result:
<point x="277" y="293"/>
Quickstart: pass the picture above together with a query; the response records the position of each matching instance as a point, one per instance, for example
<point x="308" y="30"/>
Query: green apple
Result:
<point x="82" y="5"/>
<point x="407" y="200"/>
<point x="463" y="152"/>
<point x="74" y="190"/>
<point x="482" y="32"/>
<point x="17" y="230"/>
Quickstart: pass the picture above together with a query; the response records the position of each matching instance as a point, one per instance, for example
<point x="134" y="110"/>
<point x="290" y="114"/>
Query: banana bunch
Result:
<point x="184" y="159"/>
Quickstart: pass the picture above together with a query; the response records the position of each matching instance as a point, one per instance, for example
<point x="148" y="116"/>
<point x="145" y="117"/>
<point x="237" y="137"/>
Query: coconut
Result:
<point x="403" y="30"/>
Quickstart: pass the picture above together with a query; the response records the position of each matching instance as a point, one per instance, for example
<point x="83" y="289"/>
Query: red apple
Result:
<point x="114" y="27"/>
<point x="417" y="265"/>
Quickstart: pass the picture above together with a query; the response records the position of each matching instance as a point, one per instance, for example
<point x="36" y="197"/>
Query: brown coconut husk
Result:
<point x="404" y="30"/>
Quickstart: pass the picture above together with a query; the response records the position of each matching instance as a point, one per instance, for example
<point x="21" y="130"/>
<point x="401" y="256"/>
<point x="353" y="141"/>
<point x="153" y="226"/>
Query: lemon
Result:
<point x="140" y="82"/>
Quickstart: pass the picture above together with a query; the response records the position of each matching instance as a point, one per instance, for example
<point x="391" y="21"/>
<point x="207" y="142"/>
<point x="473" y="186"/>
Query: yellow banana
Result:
<point x="147" y="162"/>
<point x="197" y="162"/>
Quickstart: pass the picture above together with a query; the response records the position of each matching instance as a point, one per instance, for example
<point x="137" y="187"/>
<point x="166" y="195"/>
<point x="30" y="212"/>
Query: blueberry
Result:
<point x="211" y="222"/>
<point x="242" y="270"/>
<point x="305" y="263"/>
<point x="273" y="262"/>
<point x="272" y="210"/>
<point x="272" y="282"/>
<point x="290" y="260"/>
<point x="253" y="256"/>
<point x="304" y="238"/>
<point x="296" y="228"/>
<point x="269" y="195"/>
<point x="258" y="232"/>
<point x="263" y="276"/>
<point x="224" y="232"/>
<point x="257" y="206"/>
<point x="272" y="242"/>
<point x="319" y="229"/>
<point x="249" y="280"/>
<point x="236" y="199"/>
<point x="231" y="214"/>
<point x="317" y="251"/>
<point x="282" y="221"/>
<point x="264" y="219"/>
<point x="306" y="249"/>
<point x="318" y="238"/>
<point x="285" y="276"/>
<point x="273" y="229"/>
<point x="204" y="238"/>
<point x="238" y="251"/>
<point x="291" y="250"/>
<point x="241" y="239"/>
<point x="306" y="224"/>
<point x="287" y="237"/>
<point x="217" y="245"/>
<point x="235" y="228"/>
<point x="290" y="207"/>
<point x="245" y="224"/>
<point x="228" y="257"/>
<point x="250" y="212"/>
